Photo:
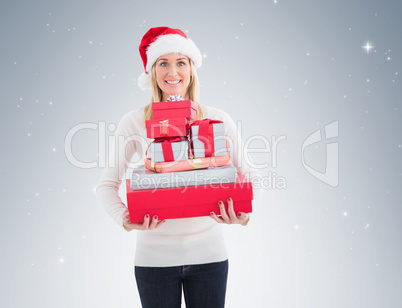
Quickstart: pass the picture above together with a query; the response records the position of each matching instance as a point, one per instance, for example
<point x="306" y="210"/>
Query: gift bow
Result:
<point x="175" y="98"/>
<point x="206" y="135"/>
<point x="167" y="146"/>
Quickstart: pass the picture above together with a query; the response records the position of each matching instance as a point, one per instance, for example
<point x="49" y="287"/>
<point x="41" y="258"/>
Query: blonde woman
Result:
<point x="177" y="255"/>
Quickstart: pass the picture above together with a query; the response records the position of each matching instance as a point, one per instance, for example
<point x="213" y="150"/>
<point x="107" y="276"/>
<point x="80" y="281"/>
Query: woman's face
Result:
<point x="173" y="74"/>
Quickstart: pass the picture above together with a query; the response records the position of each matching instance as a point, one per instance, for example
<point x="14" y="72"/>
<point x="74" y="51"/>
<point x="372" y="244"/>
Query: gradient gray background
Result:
<point x="286" y="68"/>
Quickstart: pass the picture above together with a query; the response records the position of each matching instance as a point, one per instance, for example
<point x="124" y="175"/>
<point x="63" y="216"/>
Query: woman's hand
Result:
<point x="230" y="217"/>
<point x="147" y="224"/>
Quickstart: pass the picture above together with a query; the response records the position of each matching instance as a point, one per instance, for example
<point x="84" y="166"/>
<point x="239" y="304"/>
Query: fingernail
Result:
<point x="220" y="202"/>
<point x="239" y="214"/>
<point x="229" y="199"/>
<point x="147" y="216"/>
<point x="155" y="217"/>
<point x="212" y="213"/>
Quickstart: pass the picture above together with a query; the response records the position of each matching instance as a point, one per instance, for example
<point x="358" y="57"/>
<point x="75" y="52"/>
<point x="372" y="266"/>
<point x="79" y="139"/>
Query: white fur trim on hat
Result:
<point x="173" y="43"/>
<point x="144" y="81"/>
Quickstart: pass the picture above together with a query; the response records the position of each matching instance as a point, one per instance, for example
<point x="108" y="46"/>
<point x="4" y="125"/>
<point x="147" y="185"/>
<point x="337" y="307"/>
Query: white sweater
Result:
<point x="178" y="241"/>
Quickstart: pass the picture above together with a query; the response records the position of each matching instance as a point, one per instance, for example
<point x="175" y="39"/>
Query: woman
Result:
<point x="175" y="254"/>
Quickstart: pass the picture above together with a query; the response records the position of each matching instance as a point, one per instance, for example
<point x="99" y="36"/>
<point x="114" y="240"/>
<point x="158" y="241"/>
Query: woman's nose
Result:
<point x="172" y="70"/>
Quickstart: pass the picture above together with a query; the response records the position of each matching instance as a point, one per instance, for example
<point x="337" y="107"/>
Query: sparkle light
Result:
<point x="368" y="47"/>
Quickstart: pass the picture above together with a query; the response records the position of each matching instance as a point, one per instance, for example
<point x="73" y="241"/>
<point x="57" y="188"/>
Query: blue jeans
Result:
<point x="204" y="285"/>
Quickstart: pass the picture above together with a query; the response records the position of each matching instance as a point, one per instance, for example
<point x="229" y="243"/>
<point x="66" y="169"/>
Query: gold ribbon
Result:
<point x="153" y="166"/>
<point x="197" y="163"/>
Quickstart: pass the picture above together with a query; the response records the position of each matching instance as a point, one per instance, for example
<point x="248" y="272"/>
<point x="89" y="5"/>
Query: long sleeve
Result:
<point x="129" y="139"/>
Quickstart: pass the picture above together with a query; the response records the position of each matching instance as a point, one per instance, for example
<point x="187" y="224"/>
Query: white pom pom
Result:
<point x="144" y="81"/>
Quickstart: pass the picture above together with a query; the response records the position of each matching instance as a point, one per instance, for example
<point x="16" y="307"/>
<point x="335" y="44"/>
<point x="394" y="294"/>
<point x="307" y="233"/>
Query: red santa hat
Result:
<point x="161" y="41"/>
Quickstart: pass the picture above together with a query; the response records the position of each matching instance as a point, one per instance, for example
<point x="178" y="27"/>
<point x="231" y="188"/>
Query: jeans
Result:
<point x="204" y="285"/>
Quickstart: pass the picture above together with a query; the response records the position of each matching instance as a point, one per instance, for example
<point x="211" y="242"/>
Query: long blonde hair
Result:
<point x="193" y="93"/>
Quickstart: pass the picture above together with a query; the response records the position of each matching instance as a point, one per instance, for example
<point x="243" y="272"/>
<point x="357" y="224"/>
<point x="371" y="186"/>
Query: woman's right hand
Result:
<point x="147" y="224"/>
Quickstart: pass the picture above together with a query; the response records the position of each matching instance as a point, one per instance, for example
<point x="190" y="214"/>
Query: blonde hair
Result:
<point x="193" y="93"/>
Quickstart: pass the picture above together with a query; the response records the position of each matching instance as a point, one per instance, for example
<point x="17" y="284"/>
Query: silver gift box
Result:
<point x="142" y="178"/>
<point x="180" y="151"/>
<point x="219" y="141"/>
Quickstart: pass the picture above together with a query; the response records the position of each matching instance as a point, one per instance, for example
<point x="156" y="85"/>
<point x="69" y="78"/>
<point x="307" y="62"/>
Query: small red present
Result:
<point x="190" y="164"/>
<point x="177" y="109"/>
<point x="191" y="201"/>
<point x="175" y="127"/>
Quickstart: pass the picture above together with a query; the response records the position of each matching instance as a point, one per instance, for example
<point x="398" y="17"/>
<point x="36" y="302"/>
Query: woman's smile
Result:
<point x="172" y="82"/>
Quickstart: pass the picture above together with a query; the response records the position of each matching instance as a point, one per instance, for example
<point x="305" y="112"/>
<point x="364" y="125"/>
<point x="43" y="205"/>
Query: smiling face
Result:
<point x="173" y="74"/>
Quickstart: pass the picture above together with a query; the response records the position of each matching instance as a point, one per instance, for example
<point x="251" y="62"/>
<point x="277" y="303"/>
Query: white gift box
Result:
<point x="219" y="141"/>
<point x="142" y="178"/>
<point x="179" y="149"/>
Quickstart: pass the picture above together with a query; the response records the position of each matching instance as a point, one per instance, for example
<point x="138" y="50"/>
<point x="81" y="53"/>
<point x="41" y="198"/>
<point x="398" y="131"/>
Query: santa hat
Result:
<point x="162" y="41"/>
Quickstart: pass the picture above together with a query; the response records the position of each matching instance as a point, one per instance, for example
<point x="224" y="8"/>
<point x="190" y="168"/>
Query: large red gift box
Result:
<point x="177" y="109"/>
<point x="175" y="127"/>
<point x="190" y="201"/>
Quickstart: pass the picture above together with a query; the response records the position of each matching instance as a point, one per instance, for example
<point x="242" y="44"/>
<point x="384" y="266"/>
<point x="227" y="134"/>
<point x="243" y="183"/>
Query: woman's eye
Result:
<point x="181" y="63"/>
<point x="163" y="64"/>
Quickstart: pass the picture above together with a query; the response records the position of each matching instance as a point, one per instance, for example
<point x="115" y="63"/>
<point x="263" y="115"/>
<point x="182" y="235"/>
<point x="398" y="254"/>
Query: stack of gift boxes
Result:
<point x="187" y="169"/>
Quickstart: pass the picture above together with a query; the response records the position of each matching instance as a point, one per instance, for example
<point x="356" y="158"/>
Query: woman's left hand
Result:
<point x="230" y="217"/>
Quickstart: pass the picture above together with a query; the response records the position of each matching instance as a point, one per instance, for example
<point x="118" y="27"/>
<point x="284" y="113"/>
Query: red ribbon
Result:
<point x="164" y="128"/>
<point x="206" y="135"/>
<point x="167" y="146"/>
